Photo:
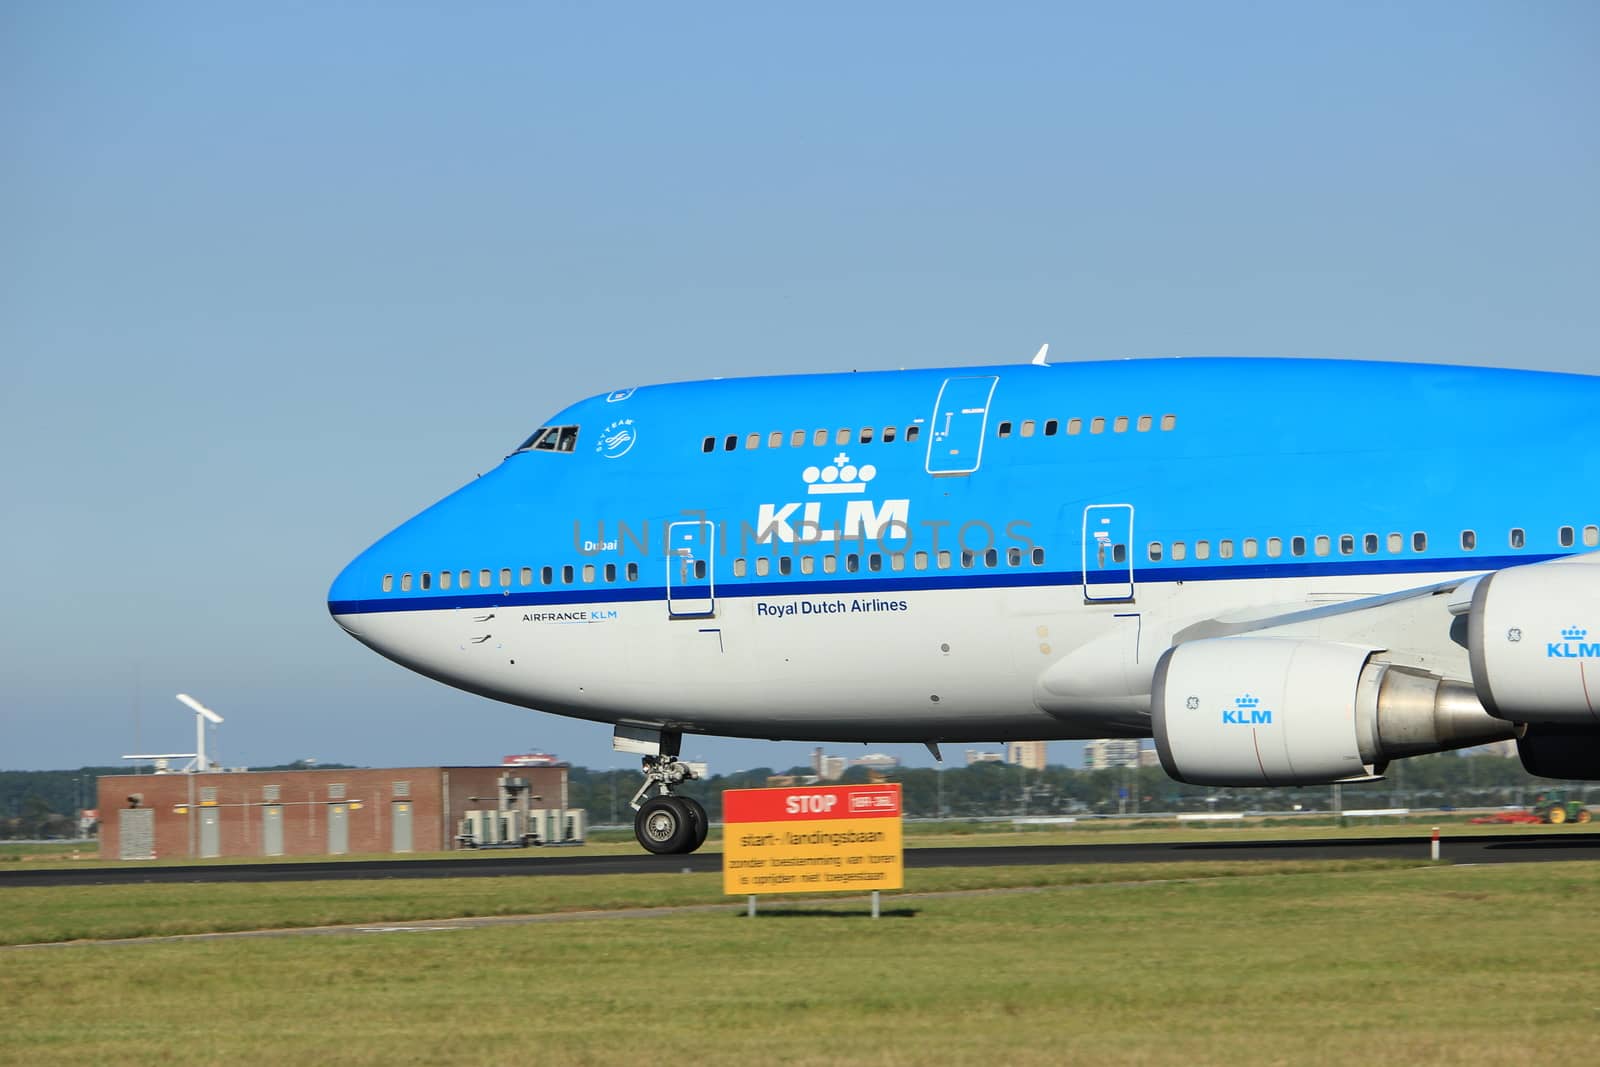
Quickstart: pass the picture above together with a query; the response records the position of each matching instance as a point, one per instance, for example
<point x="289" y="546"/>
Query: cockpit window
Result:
<point x="551" y="439"/>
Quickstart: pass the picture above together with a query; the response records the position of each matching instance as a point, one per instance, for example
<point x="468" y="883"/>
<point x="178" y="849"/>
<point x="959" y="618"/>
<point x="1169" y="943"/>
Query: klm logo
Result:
<point x="807" y="522"/>
<point x="1573" y="645"/>
<point x="1247" y="711"/>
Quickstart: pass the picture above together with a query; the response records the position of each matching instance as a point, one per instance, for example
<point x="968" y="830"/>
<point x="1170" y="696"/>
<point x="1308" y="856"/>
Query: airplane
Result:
<point x="1285" y="571"/>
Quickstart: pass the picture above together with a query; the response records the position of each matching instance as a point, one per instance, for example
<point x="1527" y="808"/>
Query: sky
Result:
<point x="273" y="278"/>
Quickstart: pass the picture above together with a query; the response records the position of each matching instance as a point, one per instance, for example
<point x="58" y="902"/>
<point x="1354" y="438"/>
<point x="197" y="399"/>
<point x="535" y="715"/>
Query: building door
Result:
<point x="272" y="830"/>
<point x="960" y="416"/>
<point x="136" y="834"/>
<point x="338" y="829"/>
<point x="1108" y="552"/>
<point x="691" y="578"/>
<point x="400" y="822"/>
<point x="210" y="833"/>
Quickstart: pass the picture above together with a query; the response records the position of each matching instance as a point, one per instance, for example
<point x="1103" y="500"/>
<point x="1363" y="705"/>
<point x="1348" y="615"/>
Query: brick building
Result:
<point x="310" y="812"/>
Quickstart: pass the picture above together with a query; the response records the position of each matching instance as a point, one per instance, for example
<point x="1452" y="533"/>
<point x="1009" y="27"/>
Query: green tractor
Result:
<point x="1557" y="809"/>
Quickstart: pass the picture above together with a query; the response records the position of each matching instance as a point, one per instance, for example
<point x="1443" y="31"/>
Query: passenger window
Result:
<point x="1566" y="536"/>
<point x="547" y="575"/>
<point x="1121" y="424"/>
<point x="1274" y="547"/>
<point x="1119" y="553"/>
<point x="819" y="438"/>
<point x="1027" y="427"/>
<point x="991" y="558"/>
<point x="1005" y="429"/>
<point x="1145" y="422"/>
<point x="445" y="578"/>
<point x="1202" y="550"/>
<point x="1038" y="557"/>
<point x="1097" y="425"/>
<point x="775" y="439"/>
<point x="1074" y="427"/>
<point x="388" y="583"/>
<point x="1249" y="548"/>
<point x="1179" y="550"/>
<point x="466" y="579"/>
<point x="1050" y="427"/>
<point x="730" y="442"/>
<point x="1225" y="549"/>
<point x="738" y="568"/>
<point x="752" y="441"/>
<point x="1155" y="550"/>
<point x="967" y="559"/>
<point x="708" y="445"/>
<point x="526" y="576"/>
<point x="944" y="559"/>
<point x="888" y="435"/>
<point x="843" y="436"/>
<point x="633" y="572"/>
<point x="1419" y="542"/>
<point x="505" y="577"/>
<point x="426" y="578"/>
<point x="785" y="565"/>
<point x="1369" y="544"/>
<point x="830" y="564"/>
<point x="611" y="572"/>
<point x="1347" y="544"/>
<point x="852" y="563"/>
<point x="1297" y="546"/>
<point x="1013" y="557"/>
<point x="763" y="566"/>
<point x="919" y="561"/>
<point x="897" y="561"/>
<point x="1469" y="540"/>
<point x="1518" y="538"/>
<point x="875" y="562"/>
<point x="1397" y="544"/>
<point x="1169" y="422"/>
<point x="797" y="439"/>
<point x="484" y="579"/>
<point x="1324" y="545"/>
<point x="912" y="432"/>
<point x="700" y="569"/>
<point x="405" y="583"/>
<point x="1591" y="536"/>
<point x="588" y="574"/>
<point x="566" y="575"/>
<point x="865" y="437"/>
<point x="808" y="564"/>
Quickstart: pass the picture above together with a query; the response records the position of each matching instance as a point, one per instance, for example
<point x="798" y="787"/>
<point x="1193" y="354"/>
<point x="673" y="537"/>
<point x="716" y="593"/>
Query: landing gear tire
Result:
<point x="665" y="825"/>
<point x="702" y="823"/>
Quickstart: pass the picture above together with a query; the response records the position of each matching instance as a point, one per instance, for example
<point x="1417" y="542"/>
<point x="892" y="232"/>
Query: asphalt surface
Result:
<point x="1495" y="848"/>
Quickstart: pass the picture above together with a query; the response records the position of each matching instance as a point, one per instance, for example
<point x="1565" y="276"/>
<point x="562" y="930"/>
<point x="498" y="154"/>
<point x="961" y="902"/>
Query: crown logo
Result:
<point x="840" y="476"/>
<point x="1574" y="633"/>
<point x="1247" y="701"/>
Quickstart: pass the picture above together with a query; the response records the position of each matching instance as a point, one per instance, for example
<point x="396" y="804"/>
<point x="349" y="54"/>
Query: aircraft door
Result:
<point x="960" y="416"/>
<point x="1108" y="552"/>
<point x="691" y="581"/>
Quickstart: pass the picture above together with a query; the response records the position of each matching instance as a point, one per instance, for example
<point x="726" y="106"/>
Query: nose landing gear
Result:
<point x="665" y="824"/>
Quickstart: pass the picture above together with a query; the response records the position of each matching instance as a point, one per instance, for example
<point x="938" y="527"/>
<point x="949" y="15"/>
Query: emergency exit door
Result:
<point x="1108" y="552"/>
<point x="691" y="578"/>
<point x="960" y="416"/>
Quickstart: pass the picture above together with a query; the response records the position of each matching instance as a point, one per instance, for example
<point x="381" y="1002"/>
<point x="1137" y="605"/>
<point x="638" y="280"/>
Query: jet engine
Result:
<point x="1532" y="634"/>
<point x="1255" y="711"/>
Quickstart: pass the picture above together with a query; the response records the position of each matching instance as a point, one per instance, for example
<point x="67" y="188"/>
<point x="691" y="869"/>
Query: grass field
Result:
<point x="1253" y="963"/>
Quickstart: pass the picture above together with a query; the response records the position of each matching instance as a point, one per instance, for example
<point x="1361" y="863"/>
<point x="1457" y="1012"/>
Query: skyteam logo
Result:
<point x="617" y="439"/>
<point x="1574" y="644"/>
<point x="1247" y="711"/>
<point x="805" y="521"/>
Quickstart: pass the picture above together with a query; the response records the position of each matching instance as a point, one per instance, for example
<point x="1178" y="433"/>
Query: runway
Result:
<point x="1493" y="848"/>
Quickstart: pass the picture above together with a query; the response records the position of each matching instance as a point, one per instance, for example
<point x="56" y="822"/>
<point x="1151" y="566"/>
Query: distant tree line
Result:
<point x="35" y="804"/>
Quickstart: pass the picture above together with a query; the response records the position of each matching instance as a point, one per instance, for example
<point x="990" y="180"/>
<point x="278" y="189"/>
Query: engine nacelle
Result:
<point x="1533" y="633"/>
<point x="1270" y="711"/>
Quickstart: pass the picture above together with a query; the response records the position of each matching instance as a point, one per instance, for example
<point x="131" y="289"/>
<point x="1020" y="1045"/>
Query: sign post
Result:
<point x="812" y="839"/>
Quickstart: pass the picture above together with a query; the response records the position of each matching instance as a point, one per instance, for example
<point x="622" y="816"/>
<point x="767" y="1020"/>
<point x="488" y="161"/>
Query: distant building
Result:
<point x="1111" y="752"/>
<point x="1029" y="755"/>
<point x="534" y="759"/>
<point x="876" y="761"/>
<point x="832" y="768"/>
<point x="1149" y="757"/>
<point x="974" y="756"/>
